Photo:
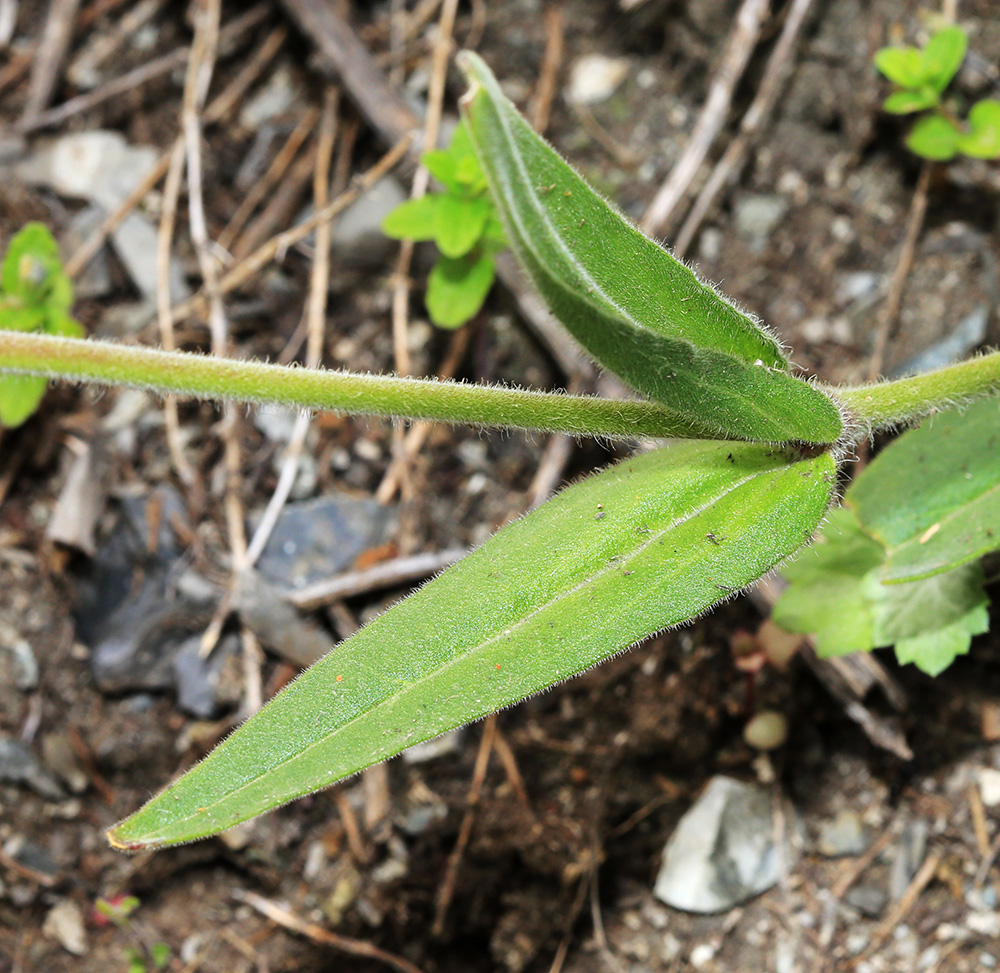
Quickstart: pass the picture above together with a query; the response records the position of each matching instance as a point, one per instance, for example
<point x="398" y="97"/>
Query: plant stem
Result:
<point x="885" y="404"/>
<point x="206" y="376"/>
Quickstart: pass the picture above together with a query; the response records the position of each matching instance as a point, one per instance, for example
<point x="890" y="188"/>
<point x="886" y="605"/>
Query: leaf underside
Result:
<point x="648" y="543"/>
<point x="638" y="311"/>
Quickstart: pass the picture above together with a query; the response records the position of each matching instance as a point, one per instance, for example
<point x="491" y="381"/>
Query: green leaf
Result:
<point x="60" y="323"/>
<point x="459" y="223"/>
<point x="413" y="220"/>
<point x="835" y="594"/>
<point x="904" y="102"/>
<point x="901" y="65"/>
<point x="943" y="56"/>
<point x="934" y="137"/>
<point x="14" y="316"/>
<point x="933" y="652"/>
<point x="457" y="288"/>
<point x="32" y="270"/>
<point x="913" y="608"/>
<point x="638" y="311"/>
<point x="441" y="164"/>
<point x="932" y="497"/>
<point x="20" y="396"/>
<point x="982" y="141"/>
<point x="826" y="592"/>
<point x="647" y="544"/>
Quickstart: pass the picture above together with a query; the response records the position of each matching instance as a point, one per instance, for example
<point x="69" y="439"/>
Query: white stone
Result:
<point x="64" y="925"/>
<point x="989" y="786"/>
<point x="722" y="851"/>
<point x="593" y="78"/>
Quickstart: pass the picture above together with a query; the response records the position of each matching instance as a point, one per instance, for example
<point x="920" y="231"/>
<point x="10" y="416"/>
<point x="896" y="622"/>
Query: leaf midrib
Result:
<point x="507" y="630"/>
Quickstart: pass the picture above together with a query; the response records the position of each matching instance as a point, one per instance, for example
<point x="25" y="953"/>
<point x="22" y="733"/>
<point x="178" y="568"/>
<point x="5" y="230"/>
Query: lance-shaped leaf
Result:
<point x="932" y="497"/>
<point x="648" y="543"/>
<point x="639" y="312"/>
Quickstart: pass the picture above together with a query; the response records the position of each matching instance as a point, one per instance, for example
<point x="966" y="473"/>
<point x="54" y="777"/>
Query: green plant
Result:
<point x="463" y="222"/>
<point x="646" y="544"/>
<point x="921" y="77"/>
<point x="35" y="295"/>
<point x="907" y="574"/>
<point x="144" y="956"/>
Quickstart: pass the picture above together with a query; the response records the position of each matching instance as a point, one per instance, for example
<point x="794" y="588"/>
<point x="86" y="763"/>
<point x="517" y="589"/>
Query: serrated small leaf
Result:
<point x="934" y="137"/>
<point x="932" y="497"/>
<point x="413" y="220"/>
<point x="982" y="141"/>
<point x="904" y="102"/>
<point x="457" y="288"/>
<point x="943" y="56"/>
<point x="459" y="223"/>
<point x="915" y="608"/>
<point x="646" y="544"/>
<point x="20" y="396"/>
<point x="901" y="65"/>
<point x="639" y="312"/>
<point x="933" y="652"/>
<point x="835" y="593"/>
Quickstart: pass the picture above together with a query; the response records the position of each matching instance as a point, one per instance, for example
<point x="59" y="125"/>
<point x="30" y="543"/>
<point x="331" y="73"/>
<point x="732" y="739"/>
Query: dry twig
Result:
<point x="346" y="944"/>
<point x="548" y="75"/>
<point x="741" y="43"/>
<point x="447" y="890"/>
<point x="726" y="169"/>
<point x="49" y="56"/>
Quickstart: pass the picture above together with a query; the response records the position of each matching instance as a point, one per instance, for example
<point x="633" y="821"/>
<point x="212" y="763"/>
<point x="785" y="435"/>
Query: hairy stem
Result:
<point x="886" y="404"/>
<point x="205" y="376"/>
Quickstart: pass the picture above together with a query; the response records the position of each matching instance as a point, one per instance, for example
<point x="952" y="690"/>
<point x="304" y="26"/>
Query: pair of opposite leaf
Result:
<point x="921" y="76"/>
<point x="35" y="295"/>
<point x="649" y="543"/>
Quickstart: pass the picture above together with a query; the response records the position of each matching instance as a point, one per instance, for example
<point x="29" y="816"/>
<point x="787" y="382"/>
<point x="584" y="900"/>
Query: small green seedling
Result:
<point x="907" y="574"/>
<point x="747" y="475"/>
<point x="35" y="295"/>
<point x="463" y="222"/>
<point x="142" y="957"/>
<point x="921" y="77"/>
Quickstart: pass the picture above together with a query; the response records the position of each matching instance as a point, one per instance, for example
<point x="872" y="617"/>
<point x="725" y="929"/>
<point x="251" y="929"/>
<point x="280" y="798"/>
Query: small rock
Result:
<point x="64" y="925"/>
<point x="702" y="955"/>
<point x="984" y="923"/>
<point x="844" y="835"/>
<point x="867" y="899"/>
<point x="18" y="765"/>
<point x="357" y="237"/>
<point x="275" y="98"/>
<point x="768" y="730"/>
<point x="200" y="682"/>
<point x="757" y="216"/>
<point x="96" y="165"/>
<point x="908" y="857"/>
<point x="315" y="539"/>
<point x="857" y="286"/>
<point x="95" y="279"/>
<point x="61" y="758"/>
<point x="25" y="664"/>
<point x="722" y="851"/>
<point x="32" y="857"/>
<point x="989" y="786"/>
<point x="593" y="78"/>
<point x="968" y="335"/>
